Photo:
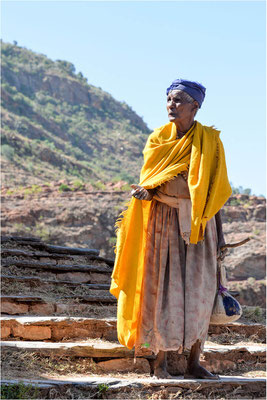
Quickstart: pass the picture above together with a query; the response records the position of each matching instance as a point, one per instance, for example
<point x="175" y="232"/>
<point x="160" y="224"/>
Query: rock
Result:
<point x="242" y="197"/>
<point x="96" y="329"/>
<point x="32" y="332"/>
<point x="99" y="278"/>
<point x="259" y="213"/>
<point x="253" y="330"/>
<point x="9" y="307"/>
<point x="67" y="332"/>
<point x="42" y="309"/>
<point x="5" y="332"/>
<point x="250" y="266"/>
<point x="47" y="260"/>
<point x="62" y="308"/>
<point x="81" y="277"/>
<point x="219" y="366"/>
<point x="233" y="213"/>
<point x="125" y="365"/>
<point x="251" y="292"/>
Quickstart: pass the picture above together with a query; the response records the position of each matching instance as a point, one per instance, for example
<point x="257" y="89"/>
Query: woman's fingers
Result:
<point x="222" y="254"/>
<point x="142" y="194"/>
<point x="134" y="186"/>
<point x="139" y="192"/>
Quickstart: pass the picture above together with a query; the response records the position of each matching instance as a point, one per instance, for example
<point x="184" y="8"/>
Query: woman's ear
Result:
<point x="196" y="107"/>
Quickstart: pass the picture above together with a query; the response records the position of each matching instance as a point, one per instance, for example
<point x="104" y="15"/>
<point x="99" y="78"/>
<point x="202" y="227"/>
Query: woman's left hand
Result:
<point x="141" y="193"/>
<point x="221" y="253"/>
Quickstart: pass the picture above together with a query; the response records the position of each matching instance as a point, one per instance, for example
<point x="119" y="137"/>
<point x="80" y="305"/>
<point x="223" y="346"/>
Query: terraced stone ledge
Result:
<point x="147" y="388"/>
<point x="115" y="357"/>
<point x="56" y="328"/>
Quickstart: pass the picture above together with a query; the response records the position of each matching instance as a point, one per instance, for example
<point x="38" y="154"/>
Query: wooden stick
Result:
<point x="235" y="244"/>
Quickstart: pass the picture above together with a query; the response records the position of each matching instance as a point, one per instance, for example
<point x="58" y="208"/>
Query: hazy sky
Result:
<point x="134" y="50"/>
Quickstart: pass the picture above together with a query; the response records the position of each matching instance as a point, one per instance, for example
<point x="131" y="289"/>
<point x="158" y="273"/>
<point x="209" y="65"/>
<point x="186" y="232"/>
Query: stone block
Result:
<point x="79" y="277"/>
<point x="125" y="365"/>
<point x="62" y="308"/>
<point x="32" y="332"/>
<point x="10" y="307"/>
<point x="59" y="333"/>
<point x="47" y="260"/>
<point x="42" y="308"/>
<point x="5" y="332"/>
<point x="218" y="366"/>
<point x="99" y="278"/>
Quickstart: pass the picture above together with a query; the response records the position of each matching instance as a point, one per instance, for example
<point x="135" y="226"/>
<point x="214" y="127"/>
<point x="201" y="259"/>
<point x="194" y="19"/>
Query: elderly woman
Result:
<point x="170" y="237"/>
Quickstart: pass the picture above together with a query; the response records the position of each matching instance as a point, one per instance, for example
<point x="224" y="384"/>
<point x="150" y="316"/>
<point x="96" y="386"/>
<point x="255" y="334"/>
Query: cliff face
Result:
<point x="55" y="125"/>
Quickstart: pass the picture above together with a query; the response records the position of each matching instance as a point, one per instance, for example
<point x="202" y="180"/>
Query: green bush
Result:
<point x="19" y="391"/>
<point x="234" y="202"/>
<point x="8" y="152"/>
<point x="78" y="185"/>
<point x="64" y="188"/>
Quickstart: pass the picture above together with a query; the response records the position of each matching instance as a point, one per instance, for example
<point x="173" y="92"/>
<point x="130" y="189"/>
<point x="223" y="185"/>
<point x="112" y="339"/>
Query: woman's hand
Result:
<point x="222" y="253"/>
<point x="141" y="193"/>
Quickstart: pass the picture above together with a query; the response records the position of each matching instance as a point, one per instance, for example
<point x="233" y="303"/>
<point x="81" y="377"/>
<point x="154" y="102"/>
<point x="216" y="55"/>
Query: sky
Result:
<point x="135" y="49"/>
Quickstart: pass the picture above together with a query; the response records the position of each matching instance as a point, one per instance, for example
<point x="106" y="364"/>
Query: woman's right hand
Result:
<point x="141" y="193"/>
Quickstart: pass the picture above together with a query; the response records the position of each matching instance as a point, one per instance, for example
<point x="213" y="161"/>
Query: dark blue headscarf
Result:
<point x="194" y="89"/>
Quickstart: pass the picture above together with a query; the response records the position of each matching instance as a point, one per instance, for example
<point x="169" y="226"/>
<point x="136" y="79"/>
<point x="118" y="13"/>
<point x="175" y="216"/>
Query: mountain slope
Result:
<point x="55" y="125"/>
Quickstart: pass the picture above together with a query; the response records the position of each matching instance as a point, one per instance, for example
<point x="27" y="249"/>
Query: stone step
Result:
<point x="5" y="239"/>
<point x="59" y="328"/>
<point x="11" y="252"/>
<point x="113" y="357"/>
<point x="56" y="267"/>
<point x="80" y="277"/>
<point x="53" y="291"/>
<point x="34" y="305"/>
<point x="41" y="282"/>
<point x="146" y="388"/>
<point x="33" y="285"/>
<point x="36" y="243"/>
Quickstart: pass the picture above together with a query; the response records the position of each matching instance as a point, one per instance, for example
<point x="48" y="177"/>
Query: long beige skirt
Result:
<point x="179" y="285"/>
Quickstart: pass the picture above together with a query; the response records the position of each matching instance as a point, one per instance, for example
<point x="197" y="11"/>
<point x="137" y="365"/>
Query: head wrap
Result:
<point x="194" y="89"/>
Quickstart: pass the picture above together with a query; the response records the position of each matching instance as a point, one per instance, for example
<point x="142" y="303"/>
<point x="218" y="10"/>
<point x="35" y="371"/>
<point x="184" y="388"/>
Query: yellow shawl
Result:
<point x="200" y="150"/>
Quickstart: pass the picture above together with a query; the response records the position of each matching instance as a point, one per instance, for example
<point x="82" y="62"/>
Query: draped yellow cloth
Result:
<point x="201" y="152"/>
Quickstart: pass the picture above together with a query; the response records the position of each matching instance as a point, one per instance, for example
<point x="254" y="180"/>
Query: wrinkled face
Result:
<point x="178" y="108"/>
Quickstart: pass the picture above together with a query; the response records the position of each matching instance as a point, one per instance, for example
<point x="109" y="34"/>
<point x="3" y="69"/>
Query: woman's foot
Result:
<point x="160" y="366"/>
<point x="162" y="373"/>
<point x="196" y="371"/>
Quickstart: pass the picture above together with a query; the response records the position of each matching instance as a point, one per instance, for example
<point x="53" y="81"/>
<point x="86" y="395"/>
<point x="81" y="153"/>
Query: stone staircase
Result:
<point x="59" y="336"/>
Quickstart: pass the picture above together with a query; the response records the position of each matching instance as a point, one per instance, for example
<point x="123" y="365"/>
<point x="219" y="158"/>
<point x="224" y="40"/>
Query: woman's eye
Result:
<point x="176" y="100"/>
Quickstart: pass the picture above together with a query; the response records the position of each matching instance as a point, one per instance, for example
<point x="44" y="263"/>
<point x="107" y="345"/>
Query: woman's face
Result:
<point x="179" y="109"/>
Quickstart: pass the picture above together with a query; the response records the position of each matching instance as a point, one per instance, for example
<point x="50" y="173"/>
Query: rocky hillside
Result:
<point x="55" y="125"/>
